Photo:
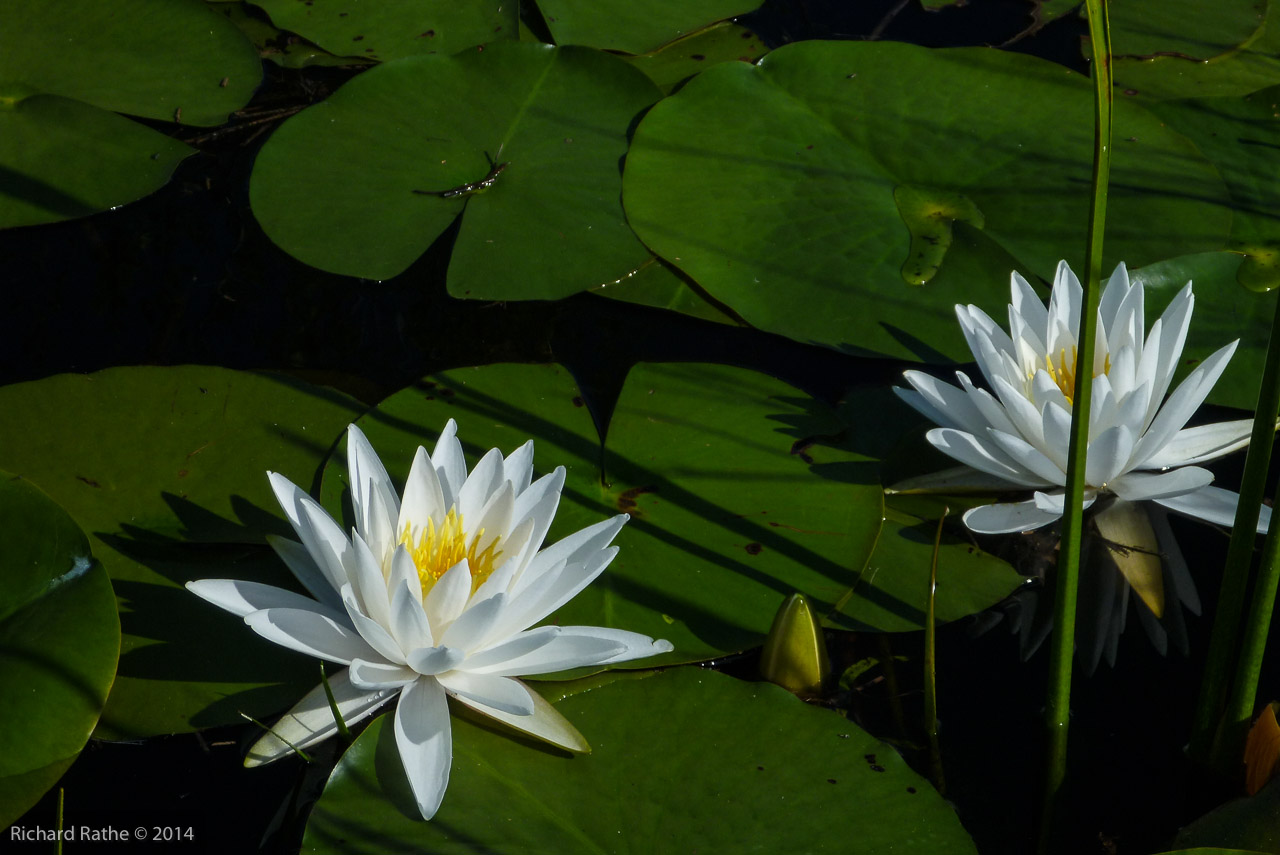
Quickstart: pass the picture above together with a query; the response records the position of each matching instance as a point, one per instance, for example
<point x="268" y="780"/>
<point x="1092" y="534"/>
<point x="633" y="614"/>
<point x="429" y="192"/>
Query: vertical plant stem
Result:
<point x="930" y="667"/>
<point x="1062" y="644"/>
<point x="1224" y="641"/>
<point x="1244" y="689"/>
<point x="333" y="706"/>
<point x="57" y="848"/>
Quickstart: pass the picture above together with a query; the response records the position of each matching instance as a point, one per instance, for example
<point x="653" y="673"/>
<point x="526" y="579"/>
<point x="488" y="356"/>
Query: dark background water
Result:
<point x="187" y="276"/>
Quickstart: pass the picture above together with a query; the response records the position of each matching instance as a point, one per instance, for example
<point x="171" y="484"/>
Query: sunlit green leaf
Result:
<point x="165" y="468"/>
<point x="1189" y="29"/>
<point x="688" y="761"/>
<point x="59" y="641"/>
<point x="773" y="186"/>
<point x="335" y="186"/>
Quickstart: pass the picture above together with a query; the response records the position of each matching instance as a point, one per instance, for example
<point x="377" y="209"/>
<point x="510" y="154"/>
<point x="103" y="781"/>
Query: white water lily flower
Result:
<point x="1138" y="449"/>
<point x="432" y="596"/>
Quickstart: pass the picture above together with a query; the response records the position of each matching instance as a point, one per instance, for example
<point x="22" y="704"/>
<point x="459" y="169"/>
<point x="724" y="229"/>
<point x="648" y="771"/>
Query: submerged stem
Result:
<point x="1062" y="644"/>
<point x="930" y="666"/>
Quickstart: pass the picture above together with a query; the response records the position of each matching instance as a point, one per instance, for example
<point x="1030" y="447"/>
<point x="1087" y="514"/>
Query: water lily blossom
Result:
<point x="432" y="596"/>
<point x="1016" y="435"/>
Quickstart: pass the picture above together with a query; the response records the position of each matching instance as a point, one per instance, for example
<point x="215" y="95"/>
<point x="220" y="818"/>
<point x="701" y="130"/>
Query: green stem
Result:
<point x="1244" y="687"/>
<point x="57" y="846"/>
<point x="930" y="667"/>
<point x="333" y="706"/>
<point x="1062" y="644"/>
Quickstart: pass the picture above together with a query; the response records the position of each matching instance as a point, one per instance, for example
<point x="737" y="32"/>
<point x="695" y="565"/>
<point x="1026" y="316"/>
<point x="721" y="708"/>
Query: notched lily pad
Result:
<point x="738" y="750"/>
<point x="364" y="182"/>
<point x="676" y="62"/>
<point x="634" y="26"/>
<point x="59" y="641"/>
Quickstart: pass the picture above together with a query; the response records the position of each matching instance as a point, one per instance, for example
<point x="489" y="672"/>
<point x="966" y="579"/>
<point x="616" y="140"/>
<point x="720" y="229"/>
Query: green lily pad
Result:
<point x="173" y="60"/>
<point x="61" y="158"/>
<point x="1248" y="823"/>
<point x="655" y="283"/>
<point x="676" y="62"/>
<point x="165" y="468"/>
<point x="1225" y="311"/>
<point x="773" y="185"/>
<point x="59" y="641"/>
<point x="634" y="26"/>
<point x="690" y="761"/>
<point x="1238" y="135"/>
<point x="1252" y="65"/>
<point x="1188" y="29"/>
<point x="335" y="186"/>
<point x="739" y="488"/>
<point x="390" y="29"/>
<point x="284" y="49"/>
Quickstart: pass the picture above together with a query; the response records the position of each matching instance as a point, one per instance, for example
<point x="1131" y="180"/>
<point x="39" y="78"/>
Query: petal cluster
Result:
<point x="1017" y="434"/>
<point x="432" y="595"/>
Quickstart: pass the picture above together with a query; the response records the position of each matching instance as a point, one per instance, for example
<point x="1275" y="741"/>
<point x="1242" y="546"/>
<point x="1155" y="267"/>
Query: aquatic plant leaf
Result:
<point x="1189" y="29"/>
<point x="655" y="283"/>
<point x="172" y="60"/>
<point x="773" y="186"/>
<point x="672" y="64"/>
<point x="61" y="158"/>
<point x="165" y="468"/>
<point x="1248" y="823"/>
<point x="741" y="490"/>
<point x="1247" y="67"/>
<point x="335" y="186"/>
<point x="634" y="26"/>
<point x="390" y="29"/>
<point x="736" y="750"/>
<point x="59" y="642"/>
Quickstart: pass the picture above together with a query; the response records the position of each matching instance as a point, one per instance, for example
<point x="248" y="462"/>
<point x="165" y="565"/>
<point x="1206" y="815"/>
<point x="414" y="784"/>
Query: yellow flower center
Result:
<point x="438" y="549"/>
<point x="1064" y="372"/>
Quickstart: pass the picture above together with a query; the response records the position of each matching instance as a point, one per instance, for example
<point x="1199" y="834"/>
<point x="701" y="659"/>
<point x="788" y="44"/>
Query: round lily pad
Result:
<point x="685" y="761"/>
<point x="634" y="26"/>
<point x="812" y="192"/>
<point x="389" y="29"/>
<point x="59" y="641"/>
<point x="741" y="491"/>
<point x="165" y="468"/>
<point x="521" y="140"/>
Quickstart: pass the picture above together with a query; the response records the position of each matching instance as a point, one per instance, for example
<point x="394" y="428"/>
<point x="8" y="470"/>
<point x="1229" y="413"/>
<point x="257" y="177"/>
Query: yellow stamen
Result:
<point x="1064" y="373"/>
<point x="438" y="549"/>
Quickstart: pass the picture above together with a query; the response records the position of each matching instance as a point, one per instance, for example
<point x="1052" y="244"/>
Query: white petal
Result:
<point x="518" y="467"/>
<point x="1027" y="456"/>
<point x="1213" y="505"/>
<point x="369" y="478"/>
<point x="423" y="498"/>
<point x="1028" y="305"/>
<point x="1108" y="455"/>
<point x="377" y="636"/>
<point x="321" y="549"/>
<point x="373" y="676"/>
<point x="1055" y="502"/>
<point x="474" y="625"/>
<point x="538" y="505"/>
<point x="500" y="693"/>
<point x="450" y="465"/>
<point x="1137" y="486"/>
<point x="335" y="552"/>
<point x="1007" y="517"/>
<point x="448" y="596"/>
<point x="493" y="521"/>
<point x="404" y="574"/>
<point x="1184" y="401"/>
<point x="545" y="723"/>
<point x="1201" y="444"/>
<point x="423" y="737"/>
<point x="551" y="592"/>
<point x="561" y="652"/>
<point x="982" y="456"/>
<point x="1174" y="324"/>
<point x="409" y="622"/>
<point x="480" y="485"/>
<point x="311" y="719"/>
<point x="305" y="570"/>
<point x="242" y="598"/>
<point x="1024" y="414"/>
<point x="368" y="583"/>
<point x="433" y="660"/>
<point x="574" y="547"/>
<point x="950" y="406"/>
<point x="511" y="648"/>
<point x="311" y="632"/>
